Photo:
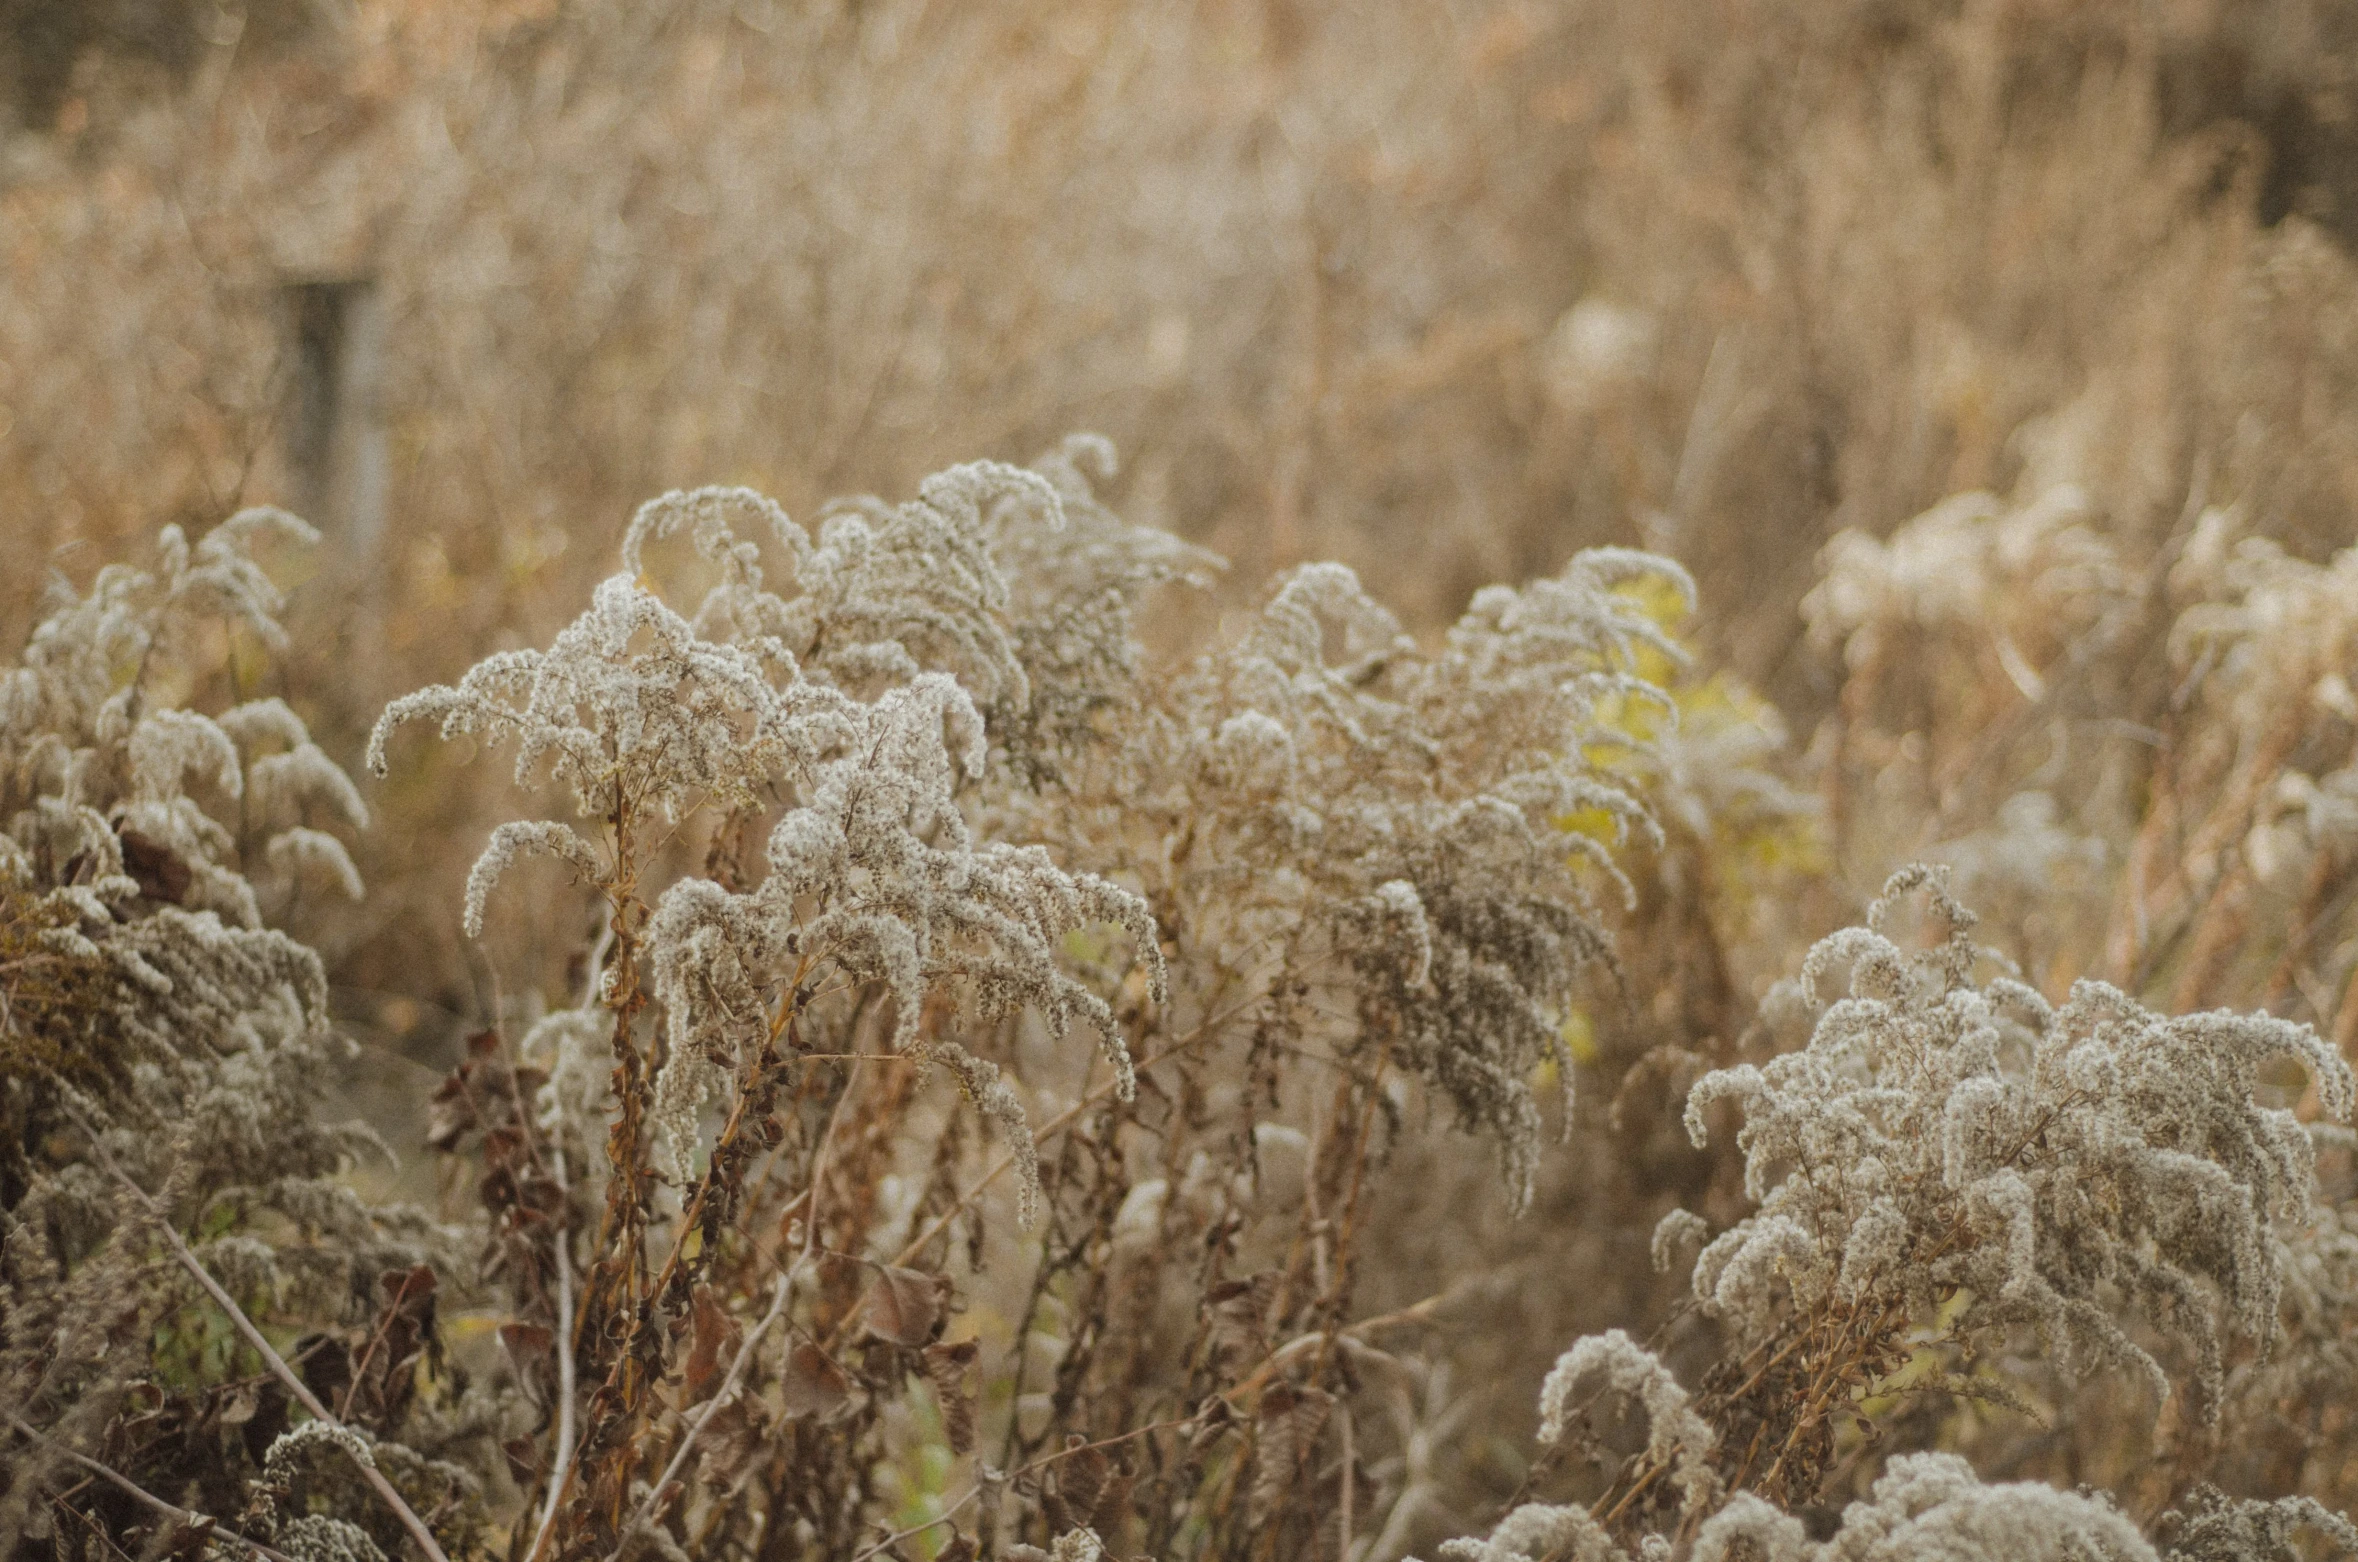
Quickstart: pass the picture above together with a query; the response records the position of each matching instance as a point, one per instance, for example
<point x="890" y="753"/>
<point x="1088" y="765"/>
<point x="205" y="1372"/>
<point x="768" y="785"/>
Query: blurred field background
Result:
<point x="1445" y="289"/>
<point x="1442" y="290"/>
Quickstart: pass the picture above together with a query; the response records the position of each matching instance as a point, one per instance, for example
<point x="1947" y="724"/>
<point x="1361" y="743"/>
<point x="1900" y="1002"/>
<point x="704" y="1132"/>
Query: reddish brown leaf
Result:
<point x="387" y="1360"/>
<point x="1080" y="1479"/>
<point x="1285" y="1436"/>
<point x="1113" y="1503"/>
<point x="905" y="1306"/>
<point x="812" y="1385"/>
<point x="1238" y="1310"/>
<point x="523" y="1456"/>
<point x="733" y="1443"/>
<point x="532" y="1351"/>
<point x="951" y="1368"/>
<point x="155" y="868"/>
<point x="716" y="1333"/>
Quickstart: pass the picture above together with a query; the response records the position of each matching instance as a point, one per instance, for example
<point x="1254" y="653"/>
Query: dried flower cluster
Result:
<point x="1208" y="943"/>
<point x="1947" y="1163"/>
<point x="1329" y="987"/>
<point x="165" y="1043"/>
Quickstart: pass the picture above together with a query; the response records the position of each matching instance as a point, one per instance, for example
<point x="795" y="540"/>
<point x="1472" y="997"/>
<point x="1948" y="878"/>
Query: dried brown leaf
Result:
<point x="532" y="1351"/>
<point x="734" y="1440"/>
<point x="1285" y="1434"/>
<point x="155" y="868"/>
<point x="1238" y="1311"/>
<point x="904" y="1306"/>
<point x="1080" y="1478"/>
<point x="523" y="1456"/>
<point x="951" y="1369"/>
<point x="716" y="1336"/>
<point x="812" y="1385"/>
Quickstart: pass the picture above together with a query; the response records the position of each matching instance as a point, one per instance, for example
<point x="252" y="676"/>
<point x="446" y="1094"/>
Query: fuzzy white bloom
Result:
<point x="1931" y="1507"/>
<point x="1324" y="781"/>
<point x="878" y="875"/>
<point x="631" y="709"/>
<point x="1674" y="1234"/>
<point x="2219" y="1528"/>
<point x="299" y="854"/>
<point x="882" y="594"/>
<point x="1539" y="1530"/>
<point x="1936" y="1135"/>
<point x="316" y="1537"/>
<point x="169" y="744"/>
<point x="131" y="826"/>
<point x="1925" y="1507"/>
<point x="92" y="773"/>
<point x="571" y="1046"/>
<point x="1765" y="1533"/>
<point x="859" y="698"/>
<point x="519" y="838"/>
<point x="283" y="1460"/>
<point x="263" y="722"/>
<point x="279" y="786"/>
<point x="1675" y="1435"/>
<point x="1256" y="752"/>
<point x="2037" y="573"/>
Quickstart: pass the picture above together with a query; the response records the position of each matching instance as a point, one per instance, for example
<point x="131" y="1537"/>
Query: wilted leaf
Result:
<point x="386" y="1361"/>
<point x="715" y="1333"/>
<point x="532" y="1351"/>
<point x="1080" y="1481"/>
<point x="905" y="1306"/>
<point x="155" y="868"/>
<point x="1285" y="1435"/>
<point x="812" y="1385"/>
<point x="523" y="1456"/>
<point x="325" y="1363"/>
<point x="1113" y="1502"/>
<point x="1237" y="1310"/>
<point x="450" y="1112"/>
<point x="733" y="1442"/>
<point x="951" y="1367"/>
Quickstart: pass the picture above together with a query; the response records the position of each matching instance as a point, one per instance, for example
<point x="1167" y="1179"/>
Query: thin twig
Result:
<point x="778" y="1300"/>
<point x="568" y="1385"/>
<point x="130" y="1487"/>
<point x="561" y="1474"/>
<point x="1036" y="1465"/>
<point x="728" y="1389"/>
<point x="897" y="1536"/>
<point x="1040" y="1136"/>
<point x="1350" y="1483"/>
<point x="377" y="1336"/>
<point x="262" y="1346"/>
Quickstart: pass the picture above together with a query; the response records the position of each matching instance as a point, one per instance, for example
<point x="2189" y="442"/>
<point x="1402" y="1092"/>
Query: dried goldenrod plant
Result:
<point x="1217" y="948"/>
<point x="166" y="1041"/>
